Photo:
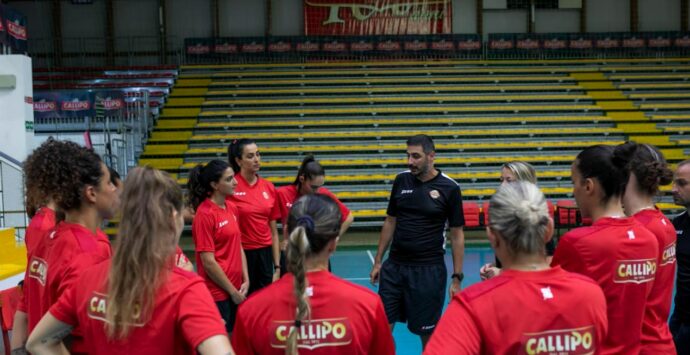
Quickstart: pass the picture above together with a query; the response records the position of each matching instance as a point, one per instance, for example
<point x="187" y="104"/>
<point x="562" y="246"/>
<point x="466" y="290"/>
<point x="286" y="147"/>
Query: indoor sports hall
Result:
<point x="175" y="84"/>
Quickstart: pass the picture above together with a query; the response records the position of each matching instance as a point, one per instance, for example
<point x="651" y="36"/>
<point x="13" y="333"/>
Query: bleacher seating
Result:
<point x="355" y="118"/>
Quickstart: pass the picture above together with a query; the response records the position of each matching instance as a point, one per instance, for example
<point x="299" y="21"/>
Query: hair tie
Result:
<point x="234" y="141"/>
<point x="654" y="154"/>
<point x="307" y="222"/>
<point x="298" y="323"/>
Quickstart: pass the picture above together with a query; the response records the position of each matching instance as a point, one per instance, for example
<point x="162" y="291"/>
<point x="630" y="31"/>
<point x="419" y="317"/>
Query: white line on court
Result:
<point x="357" y="278"/>
<point x="371" y="257"/>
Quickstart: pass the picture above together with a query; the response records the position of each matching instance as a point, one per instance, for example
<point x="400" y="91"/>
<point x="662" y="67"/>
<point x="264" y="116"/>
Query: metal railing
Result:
<point x="12" y="208"/>
<point x="118" y="138"/>
<point x="102" y="51"/>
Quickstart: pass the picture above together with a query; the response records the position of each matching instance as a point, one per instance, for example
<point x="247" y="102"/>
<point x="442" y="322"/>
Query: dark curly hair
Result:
<point x="200" y="179"/>
<point x="49" y="175"/>
<point x="647" y="163"/>
<point x="72" y="168"/>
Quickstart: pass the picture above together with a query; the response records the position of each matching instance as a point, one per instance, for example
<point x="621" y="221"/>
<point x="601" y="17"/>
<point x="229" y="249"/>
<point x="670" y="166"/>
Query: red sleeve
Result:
<point x="344" y="211"/>
<point x="456" y="332"/>
<point x="203" y="230"/>
<point x="382" y="339"/>
<point x="75" y="268"/>
<point x="21" y="305"/>
<point x="65" y="309"/>
<point x="566" y="256"/>
<point x="280" y="201"/>
<point x="275" y="211"/>
<point x="198" y="316"/>
<point x="241" y="342"/>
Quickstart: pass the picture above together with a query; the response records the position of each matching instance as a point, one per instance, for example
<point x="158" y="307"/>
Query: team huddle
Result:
<point x="605" y="288"/>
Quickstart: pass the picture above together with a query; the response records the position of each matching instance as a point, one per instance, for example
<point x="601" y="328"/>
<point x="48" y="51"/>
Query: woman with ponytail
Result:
<point x="616" y="251"/>
<point x="513" y="312"/>
<point x="310" y="311"/>
<point x="310" y="179"/>
<point x="648" y="170"/>
<point x="138" y="303"/>
<point x="256" y="201"/>
<point x="217" y="239"/>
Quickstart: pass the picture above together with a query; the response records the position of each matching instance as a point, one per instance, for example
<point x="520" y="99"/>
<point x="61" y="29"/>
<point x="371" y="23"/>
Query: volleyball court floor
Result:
<point x="354" y="265"/>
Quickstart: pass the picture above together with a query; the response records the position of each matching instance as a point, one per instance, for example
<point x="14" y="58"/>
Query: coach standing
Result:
<point x="422" y="203"/>
<point x="680" y="319"/>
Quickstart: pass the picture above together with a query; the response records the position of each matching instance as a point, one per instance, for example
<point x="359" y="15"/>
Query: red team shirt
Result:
<point x="656" y="336"/>
<point x="522" y="312"/>
<point x="41" y="223"/>
<point x="57" y="261"/>
<point x="621" y="256"/>
<point x="184" y="315"/>
<point x="345" y="319"/>
<point x="216" y="230"/>
<point x="258" y="206"/>
<point x="287" y="195"/>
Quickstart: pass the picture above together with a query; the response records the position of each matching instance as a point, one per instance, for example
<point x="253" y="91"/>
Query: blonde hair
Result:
<point x="523" y="171"/>
<point x="314" y="221"/>
<point x="146" y="239"/>
<point x="518" y="214"/>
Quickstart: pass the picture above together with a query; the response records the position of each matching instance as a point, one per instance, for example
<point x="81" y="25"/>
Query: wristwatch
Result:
<point x="459" y="276"/>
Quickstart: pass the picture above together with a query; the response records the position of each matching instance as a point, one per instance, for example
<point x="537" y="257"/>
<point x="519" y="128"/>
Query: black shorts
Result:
<point x="228" y="311"/>
<point x="413" y="294"/>
<point x="259" y="267"/>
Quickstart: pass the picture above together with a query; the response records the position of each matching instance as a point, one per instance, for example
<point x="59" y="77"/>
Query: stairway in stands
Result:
<point x="355" y="118"/>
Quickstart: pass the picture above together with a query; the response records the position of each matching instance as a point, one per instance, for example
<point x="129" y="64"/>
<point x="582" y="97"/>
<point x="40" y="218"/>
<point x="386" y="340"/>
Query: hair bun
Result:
<point x="307" y="222"/>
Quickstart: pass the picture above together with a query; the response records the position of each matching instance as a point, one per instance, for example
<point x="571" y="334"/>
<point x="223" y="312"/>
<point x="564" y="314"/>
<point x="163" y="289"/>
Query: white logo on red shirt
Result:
<point x="562" y="341"/>
<point x="635" y="271"/>
<point x="265" y="194"/>
<point x="669" y="255"/>
<point x="38" y="269"/>
<point x="546" y="293"/>
<point x="288" y="204"/>
<point x="313" y="334"/>
<point x="631" y="235"/>
<point x="222" y="224"/>
<point x="238" y="193"/>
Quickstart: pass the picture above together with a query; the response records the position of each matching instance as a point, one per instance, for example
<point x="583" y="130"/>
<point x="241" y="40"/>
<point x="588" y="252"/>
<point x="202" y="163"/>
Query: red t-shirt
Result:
<point x="216" y="230"/>
<point x="345" y="319"/>
<point x="58" y="259"/>
<point x="287" y="195"/>
<point x="541" y="312"/>
<point x="42" y="223"/>
<point x="257" y="206"/>
<point x="184" y="315"/>
<point x="656" y="336"/>
<point x="621" y="256"/>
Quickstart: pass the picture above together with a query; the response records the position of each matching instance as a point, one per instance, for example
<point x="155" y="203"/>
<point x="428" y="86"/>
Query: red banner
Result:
<point x="377" y="17"/>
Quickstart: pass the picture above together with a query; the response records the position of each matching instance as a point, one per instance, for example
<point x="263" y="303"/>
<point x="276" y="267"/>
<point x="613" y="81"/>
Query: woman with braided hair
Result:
<point x="648" y="170"/>
<point x="219" y="256"/>
<point x="333" y="316"/>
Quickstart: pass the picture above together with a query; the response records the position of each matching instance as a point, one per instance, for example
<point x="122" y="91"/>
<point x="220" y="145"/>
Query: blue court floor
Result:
<point x="355" y="264"/>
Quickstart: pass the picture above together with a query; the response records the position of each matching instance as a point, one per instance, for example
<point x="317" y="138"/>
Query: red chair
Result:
<point x="8" y="306"/>
<point x="471" y="212"/>
<point x="550" y="208"/>
<point x="567" y="213"/>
